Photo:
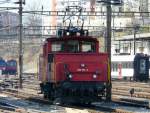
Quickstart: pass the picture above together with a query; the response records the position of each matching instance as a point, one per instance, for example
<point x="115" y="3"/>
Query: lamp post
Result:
<point x="136" y="28"/>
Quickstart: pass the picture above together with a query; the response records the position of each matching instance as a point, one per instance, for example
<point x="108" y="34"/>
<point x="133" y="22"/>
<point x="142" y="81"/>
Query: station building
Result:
<point x="125" y="44"/>
<point x="8" y="23"/>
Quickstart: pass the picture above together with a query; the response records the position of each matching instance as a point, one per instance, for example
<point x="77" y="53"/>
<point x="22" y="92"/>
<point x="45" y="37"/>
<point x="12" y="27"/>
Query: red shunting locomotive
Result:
<point x="72" y="69"/>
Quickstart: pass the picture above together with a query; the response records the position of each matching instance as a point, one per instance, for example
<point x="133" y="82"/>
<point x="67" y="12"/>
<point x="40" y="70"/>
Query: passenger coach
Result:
<point x="123" y="66"/>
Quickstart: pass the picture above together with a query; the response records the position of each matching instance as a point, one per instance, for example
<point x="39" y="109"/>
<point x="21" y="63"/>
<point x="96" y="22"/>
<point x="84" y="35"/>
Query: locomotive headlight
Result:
<point x="94" y="76"/>
<point x="78" y="34"/>
<point x="70" y="76"/>
<point x="82" y="65"/>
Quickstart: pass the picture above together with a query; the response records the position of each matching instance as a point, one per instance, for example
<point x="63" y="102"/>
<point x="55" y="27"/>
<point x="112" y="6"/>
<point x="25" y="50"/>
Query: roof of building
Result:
<point x="142" y="36"/>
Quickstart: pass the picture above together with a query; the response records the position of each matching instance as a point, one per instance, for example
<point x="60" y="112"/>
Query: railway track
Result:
<point x="141" y="90"/>
<point x="136" y="89"/>
<point x="131" y="84"/>
<point x="29" y="92"/>
<point x="126" y="93"/>
<point x="92" y="108"/>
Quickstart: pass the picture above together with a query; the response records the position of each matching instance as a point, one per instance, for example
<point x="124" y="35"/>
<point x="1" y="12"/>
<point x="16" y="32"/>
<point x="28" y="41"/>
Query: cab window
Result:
<point x="73" y="46"/>
<point x="11" y="63"/>
<point x="58" y="46"/>
<point x="88" y="46"/>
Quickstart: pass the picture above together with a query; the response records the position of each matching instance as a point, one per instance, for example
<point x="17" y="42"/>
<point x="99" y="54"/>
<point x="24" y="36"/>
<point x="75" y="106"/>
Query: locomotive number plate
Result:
<point x="82" y="70"/>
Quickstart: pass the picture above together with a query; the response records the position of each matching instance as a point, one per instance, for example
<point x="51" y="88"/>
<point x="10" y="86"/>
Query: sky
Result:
<point x="29" y="3"/>
<point x="39" y="3"/>
<point x="45" y="3"/>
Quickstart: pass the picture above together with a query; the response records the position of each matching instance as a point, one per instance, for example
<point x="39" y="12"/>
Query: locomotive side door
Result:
<point x="50" y="67"/>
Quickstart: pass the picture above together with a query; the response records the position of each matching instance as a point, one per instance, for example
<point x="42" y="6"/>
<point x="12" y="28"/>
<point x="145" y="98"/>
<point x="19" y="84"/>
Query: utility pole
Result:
<point x="108" y="47"/>
<point x="20" y="44"/>
<point x="134" y="42"/>
<point x="42" y="22"/>
<point x="108" y="41"/>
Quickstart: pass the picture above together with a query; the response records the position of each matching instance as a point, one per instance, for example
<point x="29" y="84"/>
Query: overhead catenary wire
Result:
<point x="124" y="14"/>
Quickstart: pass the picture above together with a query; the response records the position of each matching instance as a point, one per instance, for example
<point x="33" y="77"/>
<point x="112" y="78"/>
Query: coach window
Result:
<point x="115" y="66"/>
<point x="123" y="65"/>
<point x="126" y="64"/>
<point x="112" y="66"/>
<point x="11" y="63"/>
<point x="2" y="63"/>
<point x="131" y="64"/>
<point x="88" y="46"/>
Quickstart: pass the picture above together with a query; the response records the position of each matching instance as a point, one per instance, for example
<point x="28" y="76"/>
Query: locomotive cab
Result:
<point x="72" y="69"/>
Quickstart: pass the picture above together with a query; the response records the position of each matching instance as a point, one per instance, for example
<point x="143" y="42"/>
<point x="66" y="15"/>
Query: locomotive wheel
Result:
<point x="58" y="101"/>
<point x="45" y="96"/>
<point x="50" y="96"/>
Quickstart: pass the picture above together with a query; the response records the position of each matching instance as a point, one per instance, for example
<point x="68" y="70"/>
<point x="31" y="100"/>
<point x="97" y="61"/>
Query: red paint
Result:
<point x="94" y="62"/>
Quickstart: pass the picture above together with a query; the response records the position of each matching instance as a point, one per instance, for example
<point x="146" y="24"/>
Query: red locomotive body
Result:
<point x="81" y="67"/>
<point x="73" y="69"/>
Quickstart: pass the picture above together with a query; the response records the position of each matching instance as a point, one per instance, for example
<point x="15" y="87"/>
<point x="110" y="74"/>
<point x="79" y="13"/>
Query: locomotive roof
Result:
<point x="80" y="38"/>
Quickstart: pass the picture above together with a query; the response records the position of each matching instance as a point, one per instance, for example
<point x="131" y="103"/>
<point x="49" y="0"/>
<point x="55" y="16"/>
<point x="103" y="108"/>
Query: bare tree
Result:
<point x="33" y="21"/>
